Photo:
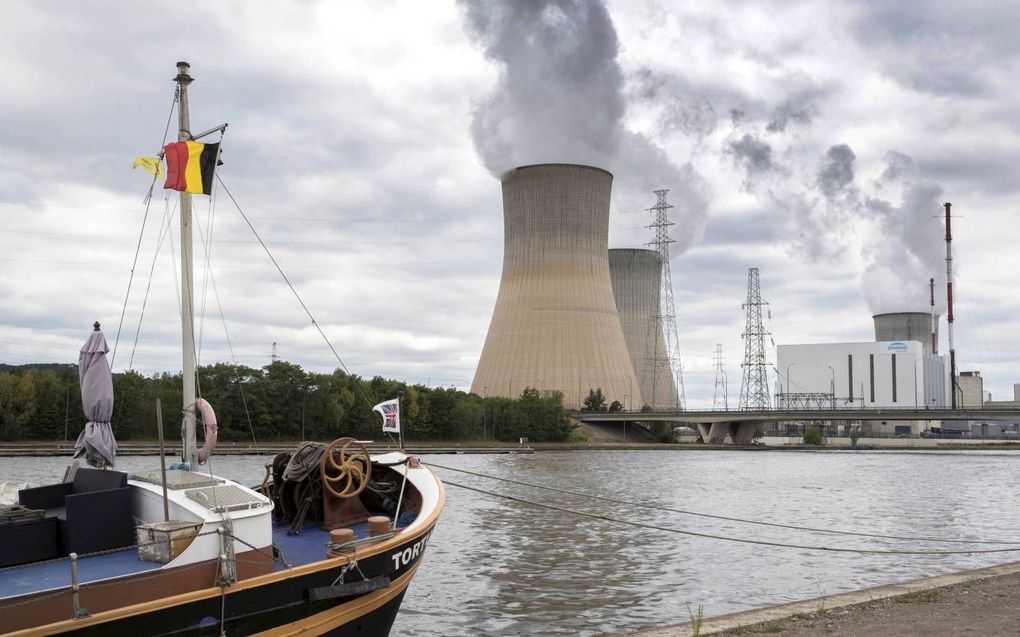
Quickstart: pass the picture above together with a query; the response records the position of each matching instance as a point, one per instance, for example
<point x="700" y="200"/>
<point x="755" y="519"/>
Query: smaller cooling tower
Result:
<point x="637" y="281"/>
<point x="906" y="326"/>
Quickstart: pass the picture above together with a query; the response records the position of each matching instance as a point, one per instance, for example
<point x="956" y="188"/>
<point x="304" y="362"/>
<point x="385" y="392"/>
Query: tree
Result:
<point x="17" y="404"/>
<point x="615" y="407"/>
<point x="47" y="422"/>
<point x="594" y="402"/>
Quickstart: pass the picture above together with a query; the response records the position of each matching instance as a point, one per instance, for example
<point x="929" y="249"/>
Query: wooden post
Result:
<point x="162" y="460"/>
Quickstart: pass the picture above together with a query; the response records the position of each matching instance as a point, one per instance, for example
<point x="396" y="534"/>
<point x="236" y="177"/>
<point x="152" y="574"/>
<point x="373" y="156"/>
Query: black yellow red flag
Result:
<point x="190" y="166"/>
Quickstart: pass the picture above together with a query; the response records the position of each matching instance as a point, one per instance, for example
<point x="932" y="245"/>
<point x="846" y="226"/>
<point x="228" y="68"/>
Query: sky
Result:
<point x="815" y="141"/>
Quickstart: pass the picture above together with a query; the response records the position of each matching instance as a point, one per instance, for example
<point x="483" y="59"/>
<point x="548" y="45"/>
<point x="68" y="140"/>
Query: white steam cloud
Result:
<point x="907" y="251"/>
<point x="560" y="99"/>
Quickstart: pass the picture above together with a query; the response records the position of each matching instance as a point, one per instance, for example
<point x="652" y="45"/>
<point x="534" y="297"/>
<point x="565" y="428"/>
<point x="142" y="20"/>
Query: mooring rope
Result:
<point x="726" y="518"/>
<point x="726" y="538"/>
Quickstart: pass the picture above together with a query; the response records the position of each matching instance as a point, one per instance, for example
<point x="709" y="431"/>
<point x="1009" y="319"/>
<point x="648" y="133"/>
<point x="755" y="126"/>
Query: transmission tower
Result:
<point x="721" y="399"/>
<point x="667" y="311"/>
<point x="754" y="387"/>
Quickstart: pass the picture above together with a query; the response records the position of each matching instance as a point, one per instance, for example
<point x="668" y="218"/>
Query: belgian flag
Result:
<point x="190" y="166"/>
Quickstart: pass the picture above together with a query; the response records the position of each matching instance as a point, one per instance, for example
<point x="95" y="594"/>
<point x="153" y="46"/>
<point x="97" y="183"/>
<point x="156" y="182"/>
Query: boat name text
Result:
<point x="411" y="553"/>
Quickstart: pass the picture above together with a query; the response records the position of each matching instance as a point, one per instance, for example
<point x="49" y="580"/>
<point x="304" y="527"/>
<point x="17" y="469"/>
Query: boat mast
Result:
<point x="190" y="449"/>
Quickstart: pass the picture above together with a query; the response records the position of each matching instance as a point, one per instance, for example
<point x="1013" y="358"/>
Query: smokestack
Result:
<point x="555" y="324"/>
<point x="949" y="300"/>
<point x="637" y="283"/>
<point x="907" y="326"/>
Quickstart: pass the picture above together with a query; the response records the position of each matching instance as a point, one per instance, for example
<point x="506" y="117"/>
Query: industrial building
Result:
<point x="860" y="375"/>
<point x="555" y="325"/>
<point x="970" y="389"/>
<point x="636" y="275"/>
<point x="897" y="370"/>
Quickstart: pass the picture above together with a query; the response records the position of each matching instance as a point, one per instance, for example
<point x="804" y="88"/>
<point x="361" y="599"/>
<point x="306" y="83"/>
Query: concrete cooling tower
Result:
<point x="637" y="282"/>
<point x="555" y="325"/>
<point x="906" y="326"/>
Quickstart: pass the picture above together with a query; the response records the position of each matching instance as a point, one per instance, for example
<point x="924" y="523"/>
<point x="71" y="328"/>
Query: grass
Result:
<point x="697" y="619"/>
<point x="773" y="627"/>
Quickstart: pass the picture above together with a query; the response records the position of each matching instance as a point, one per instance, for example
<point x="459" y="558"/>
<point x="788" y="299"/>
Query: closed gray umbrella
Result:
<point x="96" y="441"/>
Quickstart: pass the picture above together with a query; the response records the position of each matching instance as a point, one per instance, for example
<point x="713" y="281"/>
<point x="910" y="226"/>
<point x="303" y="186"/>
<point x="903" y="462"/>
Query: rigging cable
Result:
<point x="725" y="518"/>
<point x="164" y="229"/>
<point x="294" y="291"/>
<point x="710" y="536"/>
<point x="230" y="347"/>
<point x="148" y="200"/>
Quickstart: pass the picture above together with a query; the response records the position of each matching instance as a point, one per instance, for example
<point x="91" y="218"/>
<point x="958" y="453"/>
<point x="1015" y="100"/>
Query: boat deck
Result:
<point x="307" y="546"/>
<point x="41" y="576"/>
<point x="302" y="548"/>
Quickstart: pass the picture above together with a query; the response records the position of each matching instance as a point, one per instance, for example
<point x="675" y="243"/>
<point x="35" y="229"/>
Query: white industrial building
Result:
<point x="862" y="375"/>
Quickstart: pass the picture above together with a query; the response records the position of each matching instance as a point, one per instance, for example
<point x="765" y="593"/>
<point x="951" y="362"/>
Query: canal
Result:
<point x="500" y="567"/>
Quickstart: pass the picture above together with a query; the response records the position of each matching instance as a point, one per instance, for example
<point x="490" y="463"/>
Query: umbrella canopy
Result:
<point x="96" y="441"/>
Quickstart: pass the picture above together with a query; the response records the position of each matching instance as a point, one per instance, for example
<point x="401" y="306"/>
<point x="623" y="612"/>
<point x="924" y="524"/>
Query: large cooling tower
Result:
<point x="555" y="325"/>
<point x="906" y="326"/>
<point x="637" y="282"/>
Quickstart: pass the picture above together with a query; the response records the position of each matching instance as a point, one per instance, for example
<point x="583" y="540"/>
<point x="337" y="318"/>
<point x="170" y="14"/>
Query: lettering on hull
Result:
<point x="407" y="556"/>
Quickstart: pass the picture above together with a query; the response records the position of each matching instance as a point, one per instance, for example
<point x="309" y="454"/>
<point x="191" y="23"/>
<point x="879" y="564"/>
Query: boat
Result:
<point x="326" y="542"/>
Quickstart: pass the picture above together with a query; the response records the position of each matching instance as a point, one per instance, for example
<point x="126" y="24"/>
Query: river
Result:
<point x="498" y="567"/>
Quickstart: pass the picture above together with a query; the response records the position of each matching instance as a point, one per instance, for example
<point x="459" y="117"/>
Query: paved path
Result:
<point x="981" y="602"/>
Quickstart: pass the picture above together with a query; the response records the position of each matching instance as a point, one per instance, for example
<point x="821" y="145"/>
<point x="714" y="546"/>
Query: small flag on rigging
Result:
<point x="151" y="165"/>
<point x="190" y="166"/>
<point x="390" y="411"/>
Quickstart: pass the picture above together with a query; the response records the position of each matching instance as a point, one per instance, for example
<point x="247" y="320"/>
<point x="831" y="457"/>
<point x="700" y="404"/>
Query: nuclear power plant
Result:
<point x="637" y="281"/>
<point x="555" y="326"/>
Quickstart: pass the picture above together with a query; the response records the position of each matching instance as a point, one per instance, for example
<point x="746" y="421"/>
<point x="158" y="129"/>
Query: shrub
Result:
<point x="812" y="436"/>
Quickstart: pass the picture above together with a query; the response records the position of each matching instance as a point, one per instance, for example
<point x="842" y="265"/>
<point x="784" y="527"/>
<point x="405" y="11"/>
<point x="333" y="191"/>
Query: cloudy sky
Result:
<point x="815" y="141"/>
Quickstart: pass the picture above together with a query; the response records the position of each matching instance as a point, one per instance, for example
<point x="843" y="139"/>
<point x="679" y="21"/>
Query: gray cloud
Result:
<point x="788" y="113"/>
<point x="897" y="165"/>
<point x="692" y="117"/>
<point x="945" y="48"/>
<point x="753" y="155"/>
<point x="836" y="171"/>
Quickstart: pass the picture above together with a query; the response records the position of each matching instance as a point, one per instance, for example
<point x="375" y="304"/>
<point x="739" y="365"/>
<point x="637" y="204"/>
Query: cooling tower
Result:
<point x="906" y="326"/>
<point x="555" y="325"/>
<point x="637" y="282"/>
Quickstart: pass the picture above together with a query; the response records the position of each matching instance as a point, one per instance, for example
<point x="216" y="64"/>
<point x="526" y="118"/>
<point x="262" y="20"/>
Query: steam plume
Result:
<point x="560" y="99"/>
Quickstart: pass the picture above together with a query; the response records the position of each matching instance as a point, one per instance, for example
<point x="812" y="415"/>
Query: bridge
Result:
<point x="741" y="424"/>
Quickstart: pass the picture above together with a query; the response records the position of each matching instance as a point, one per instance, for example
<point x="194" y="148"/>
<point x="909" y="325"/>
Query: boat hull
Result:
<point x="273" y="604"/>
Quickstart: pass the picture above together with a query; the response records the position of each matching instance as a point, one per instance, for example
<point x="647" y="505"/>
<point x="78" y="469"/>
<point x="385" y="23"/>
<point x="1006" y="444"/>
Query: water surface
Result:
<point x="498" y="567"/>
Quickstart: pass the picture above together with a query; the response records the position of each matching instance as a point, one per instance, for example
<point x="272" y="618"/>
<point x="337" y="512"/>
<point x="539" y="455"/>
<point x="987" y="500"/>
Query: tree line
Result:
<point x="280" y="401"/>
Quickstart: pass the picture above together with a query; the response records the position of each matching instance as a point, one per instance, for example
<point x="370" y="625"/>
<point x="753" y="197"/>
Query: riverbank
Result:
<point x="978" y="602"/>
<point x="151" y="448"/>
<point x="147" y="448"/>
